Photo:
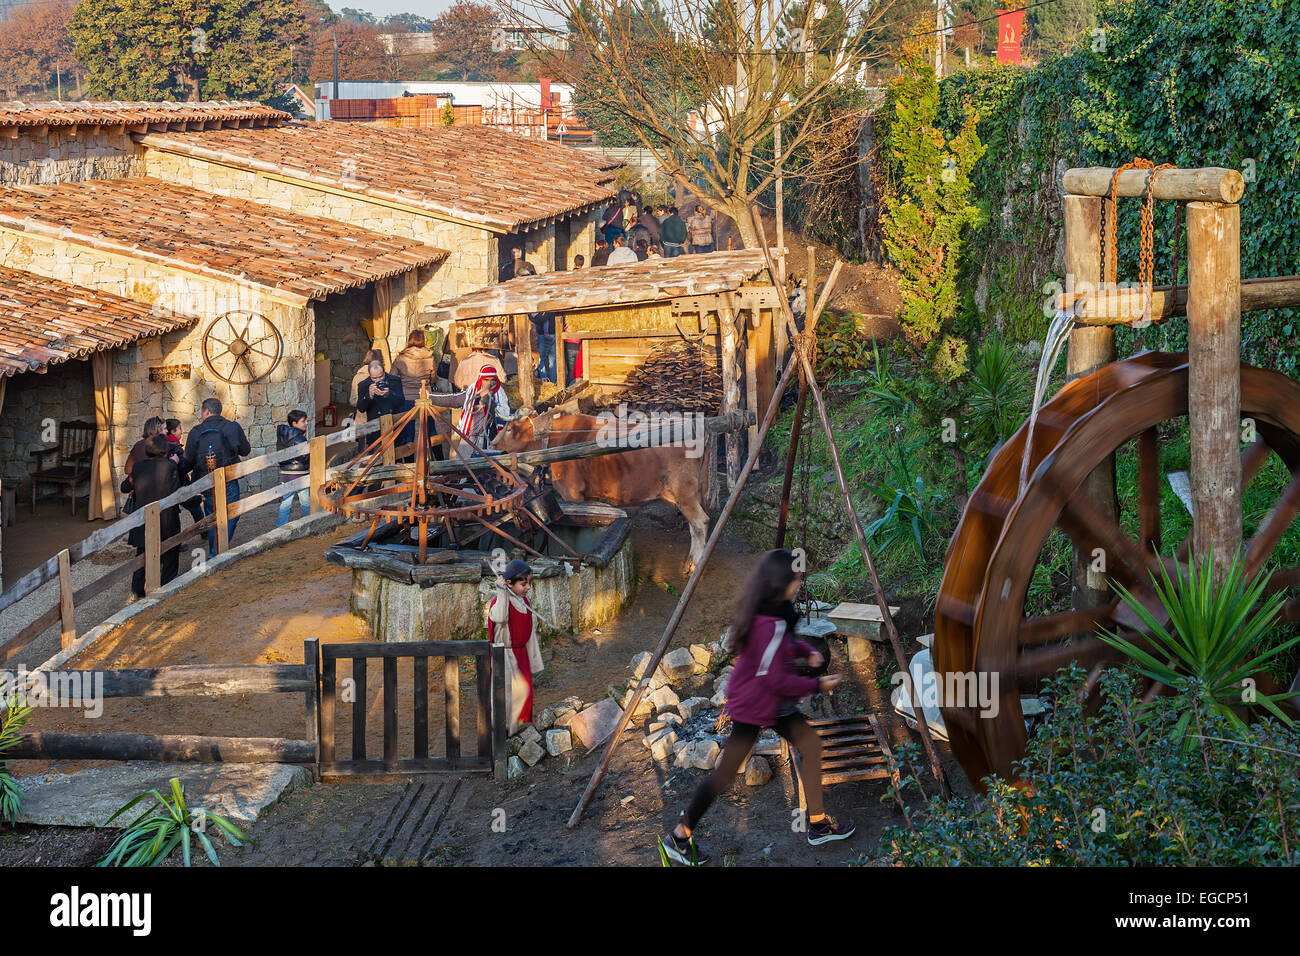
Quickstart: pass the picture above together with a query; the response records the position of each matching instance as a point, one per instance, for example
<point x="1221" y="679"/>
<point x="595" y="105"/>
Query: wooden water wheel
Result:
<point x="1130" y="409"/>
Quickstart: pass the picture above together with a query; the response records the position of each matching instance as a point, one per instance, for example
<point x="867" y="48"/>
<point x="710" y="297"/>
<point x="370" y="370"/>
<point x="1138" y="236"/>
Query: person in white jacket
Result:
<point x="512" y="624"/>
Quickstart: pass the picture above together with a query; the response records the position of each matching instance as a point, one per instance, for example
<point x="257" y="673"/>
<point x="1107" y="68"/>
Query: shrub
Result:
<point x="14" y="716"/>
<point x="169" y="823"/>
<point x="1119" y="788"/>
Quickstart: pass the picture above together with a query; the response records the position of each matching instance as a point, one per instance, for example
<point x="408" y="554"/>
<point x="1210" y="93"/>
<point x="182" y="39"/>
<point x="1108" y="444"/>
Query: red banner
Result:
<point x="1011" y="26"/>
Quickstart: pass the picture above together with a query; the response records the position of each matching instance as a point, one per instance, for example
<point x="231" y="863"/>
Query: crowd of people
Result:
<point x="633" y="233"/>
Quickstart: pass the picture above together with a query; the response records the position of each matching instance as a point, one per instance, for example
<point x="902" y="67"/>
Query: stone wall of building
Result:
<point x="62" y="393"/>
<point x="62" y="154"/>
<point x="259" y="407"/>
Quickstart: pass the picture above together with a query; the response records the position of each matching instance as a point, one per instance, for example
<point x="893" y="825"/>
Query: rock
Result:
<point x="758" y="772"/>
<point x="639" y="663"/>
<point x="558" y="741"/>
<point x="860" y="649"/>
<point x="594" y="725"/>
<point x="532" y="752"/>
<point x="513" y="745"/>
<point x="691" y="706"/>
<point x="703" y="657"/>
<point x="678" y="747"/>
<point x="678" y="664"/>
<point x="700" y="754"/>
<point x="565" y="719"/>
<point x="667" y="719"/>
<point x="530" y="735"/>
<point x="573" y="703"/>
<point x="661" y="744"/>
<point x="822" y="627"/>
<point x="545" y="720"/>
<point x="665" y="698"/>
<point x="719" y="699"/>
<point x="628" y="799"/>
<point x="644" y="708"/>
<point x="514" y="768"/>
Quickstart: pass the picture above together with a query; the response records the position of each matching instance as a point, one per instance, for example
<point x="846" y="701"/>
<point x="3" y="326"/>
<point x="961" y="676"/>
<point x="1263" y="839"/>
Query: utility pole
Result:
<point x="336" y="63"/>
<point x="939" y="46"/>
<point x="58" y="79"/>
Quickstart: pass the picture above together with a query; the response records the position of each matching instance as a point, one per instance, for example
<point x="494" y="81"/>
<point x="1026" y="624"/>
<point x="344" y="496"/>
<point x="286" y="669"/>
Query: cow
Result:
<point x="627" y="478"/>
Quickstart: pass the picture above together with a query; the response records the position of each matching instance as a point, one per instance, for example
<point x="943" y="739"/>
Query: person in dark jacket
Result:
<point x="152" y="426"/>
<point x="380" y="394"/>
<point x="286" y="436"/>
<point x="764" y="691"/>
<point x="176" y="452"/>
<point x="672" y="234"/>
<point x="601" y="255"/>
<point x="544" y="323"/>
<point x="213" y="443"/>
<point x="152" y="479"/>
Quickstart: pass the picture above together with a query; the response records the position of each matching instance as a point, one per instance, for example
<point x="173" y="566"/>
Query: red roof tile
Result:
<point x="115" y="112"/>
<point x="498" y="179"/>
<point x="233" y="239"/>
<point x="45" y="321"/>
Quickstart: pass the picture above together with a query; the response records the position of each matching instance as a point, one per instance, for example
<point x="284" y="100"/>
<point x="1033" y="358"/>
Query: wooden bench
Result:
<point x="72" y="454"/>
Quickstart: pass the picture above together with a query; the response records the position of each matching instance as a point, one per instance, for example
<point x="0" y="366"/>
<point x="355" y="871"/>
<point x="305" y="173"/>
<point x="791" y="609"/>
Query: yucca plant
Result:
<point x="1215" y="640"/>
<point x="152" y="838"/>
<point x="13" y="717"/>
<point x="997" y="394"/>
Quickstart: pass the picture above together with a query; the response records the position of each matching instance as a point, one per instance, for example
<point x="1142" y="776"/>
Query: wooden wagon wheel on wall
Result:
<point x="1127" y="409"/>
<point x="241" y="347"/>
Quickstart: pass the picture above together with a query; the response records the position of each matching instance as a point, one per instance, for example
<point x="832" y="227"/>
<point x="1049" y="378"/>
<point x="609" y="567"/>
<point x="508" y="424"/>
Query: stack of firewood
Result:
<point x="676" y="376"/>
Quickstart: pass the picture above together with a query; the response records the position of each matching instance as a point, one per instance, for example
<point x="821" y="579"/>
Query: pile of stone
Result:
<point x="681" y="707"/>
<point x="558" y="729"/>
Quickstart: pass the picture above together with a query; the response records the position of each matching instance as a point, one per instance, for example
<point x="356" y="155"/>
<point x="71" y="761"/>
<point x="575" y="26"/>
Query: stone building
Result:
<point x="231" y="270"/>
<point x="475" y="191"/>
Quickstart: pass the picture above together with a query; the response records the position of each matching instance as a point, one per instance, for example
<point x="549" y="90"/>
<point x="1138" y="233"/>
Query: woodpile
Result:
<point x="676" y="376"/>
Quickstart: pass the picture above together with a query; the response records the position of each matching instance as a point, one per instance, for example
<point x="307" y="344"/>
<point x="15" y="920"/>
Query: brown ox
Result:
<point x="633" y="477"/>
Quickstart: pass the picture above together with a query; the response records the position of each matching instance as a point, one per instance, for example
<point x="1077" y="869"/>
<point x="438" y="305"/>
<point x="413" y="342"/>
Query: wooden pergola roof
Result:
<point x="46" y="321"/>
<point x="651" y="280"/>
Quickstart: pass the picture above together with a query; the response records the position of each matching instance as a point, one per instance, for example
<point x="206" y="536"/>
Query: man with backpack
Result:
<point x="215" y="443"/>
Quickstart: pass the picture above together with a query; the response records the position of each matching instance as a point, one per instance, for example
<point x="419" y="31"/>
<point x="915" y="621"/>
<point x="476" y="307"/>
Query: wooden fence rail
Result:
<point x="59" y="567"/>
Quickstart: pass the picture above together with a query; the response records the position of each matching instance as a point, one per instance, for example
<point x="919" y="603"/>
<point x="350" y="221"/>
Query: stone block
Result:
<point x="678" y="664"/>
<point x="531" y="753"/>
<point x="558" y="741"/>
<point x="703" y="657"/>
<point x="665" y="698"/>
<point x="593" y="725"/>
<point x="514" y="768"/>
<point x="530" y="734"/>
<point x="758" y="772"/>
<point x="661" y="745"/>
<point x="691" y="706"/>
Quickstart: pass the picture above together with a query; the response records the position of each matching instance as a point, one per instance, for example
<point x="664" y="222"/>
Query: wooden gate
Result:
<point x="490" y="707"/>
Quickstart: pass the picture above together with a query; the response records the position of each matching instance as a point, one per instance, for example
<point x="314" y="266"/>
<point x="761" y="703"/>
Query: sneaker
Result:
<point x="684" y="852"/>
<point x="829" y="830"/>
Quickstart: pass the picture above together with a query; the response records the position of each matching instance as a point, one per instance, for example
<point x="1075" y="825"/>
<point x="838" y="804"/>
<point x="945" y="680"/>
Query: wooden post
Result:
<point x="730" y="389"/>
<point x="524" y="353"/>
<point x="1089" y="349"/>
<point x="220" y="509"/>
<point x="561" y="368"/>
<point x="500" y="719"/>
<point x="316" y="470"/>
<point x="67" y="612"/>
<point x="751" y="382"/>
<point x="152" y="553"/>
<point x="390" y="450"/>
<point x="311" y="658"/>
<point x="1214" y="379"/>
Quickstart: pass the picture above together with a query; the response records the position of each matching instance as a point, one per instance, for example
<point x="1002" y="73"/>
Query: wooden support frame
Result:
<point x="221" y="510"/>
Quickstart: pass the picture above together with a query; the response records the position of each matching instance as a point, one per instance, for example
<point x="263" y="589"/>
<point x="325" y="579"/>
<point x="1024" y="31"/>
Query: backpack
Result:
<point x="213" y="452"/>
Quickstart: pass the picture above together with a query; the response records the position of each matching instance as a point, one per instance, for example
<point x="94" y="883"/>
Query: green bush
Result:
<point x="1119" y="789"/>
<point x="168" y="823"/>
<point x="13" y="717"/>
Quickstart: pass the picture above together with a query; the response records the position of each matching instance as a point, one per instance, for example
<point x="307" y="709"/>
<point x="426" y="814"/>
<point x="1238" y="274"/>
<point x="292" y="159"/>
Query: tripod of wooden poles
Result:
<point x="801" y="358"/>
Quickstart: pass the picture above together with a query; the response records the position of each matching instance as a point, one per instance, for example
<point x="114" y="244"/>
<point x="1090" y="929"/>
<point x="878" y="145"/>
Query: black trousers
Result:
<point x="168" y="565"/>
<point x="794" y="728"/>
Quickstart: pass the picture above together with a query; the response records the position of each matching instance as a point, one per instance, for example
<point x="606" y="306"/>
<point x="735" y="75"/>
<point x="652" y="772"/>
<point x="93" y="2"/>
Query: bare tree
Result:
<point x="703" y="83"/>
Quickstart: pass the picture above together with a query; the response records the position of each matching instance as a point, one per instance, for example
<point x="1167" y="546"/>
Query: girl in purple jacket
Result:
<point x="764" y="691"/>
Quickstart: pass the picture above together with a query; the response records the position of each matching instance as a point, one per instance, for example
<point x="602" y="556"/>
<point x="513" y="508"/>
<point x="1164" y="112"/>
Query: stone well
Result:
<point x="402" y="601"/>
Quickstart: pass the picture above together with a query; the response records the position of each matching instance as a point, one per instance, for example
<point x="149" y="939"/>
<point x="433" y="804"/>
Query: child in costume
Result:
<point x="511" y="623"/>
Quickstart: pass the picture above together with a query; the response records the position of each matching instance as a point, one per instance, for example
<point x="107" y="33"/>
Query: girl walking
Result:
<point x="511" y="622"/>
<point x="764" y="691"/>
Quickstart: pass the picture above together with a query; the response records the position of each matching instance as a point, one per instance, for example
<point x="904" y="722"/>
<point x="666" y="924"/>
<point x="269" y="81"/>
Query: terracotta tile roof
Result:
<point x="491" y="177"/>
<point x="45" y="321"/>
<point x="650" y="280"/>
<point x="115" y="112"/>
<point x="231" y="239"/>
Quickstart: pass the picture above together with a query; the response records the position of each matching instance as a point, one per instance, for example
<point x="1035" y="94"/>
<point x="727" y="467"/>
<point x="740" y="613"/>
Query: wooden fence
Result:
<point x="59" y="567"/>
<point x="316" y="678"/>
<point x="490" y="666"/>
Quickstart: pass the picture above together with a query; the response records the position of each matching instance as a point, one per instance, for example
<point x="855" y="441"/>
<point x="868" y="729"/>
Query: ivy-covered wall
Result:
<point x="1189" y="82"/>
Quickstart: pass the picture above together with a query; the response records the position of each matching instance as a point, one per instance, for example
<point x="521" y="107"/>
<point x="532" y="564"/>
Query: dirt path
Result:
<point x="262" y="609"/>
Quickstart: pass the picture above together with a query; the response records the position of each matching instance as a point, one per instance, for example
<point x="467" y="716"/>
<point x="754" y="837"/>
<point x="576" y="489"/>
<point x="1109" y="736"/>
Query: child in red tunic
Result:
<point x="511" y="623"/>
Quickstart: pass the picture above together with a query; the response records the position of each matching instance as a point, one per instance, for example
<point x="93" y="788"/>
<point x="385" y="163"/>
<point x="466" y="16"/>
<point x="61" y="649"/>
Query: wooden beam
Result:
<point x="1124" y="306"/>
<point x="67" y="612"/>
<point x="1089" y="349"/>
<point x="221" y="510"/>
<point x="164" y="747"/>
<point x="524" y="353"/>
<point x="152" y="554"/>
<point x="316" y="470"/>
<point x="1210" y="184"/>
<point x="730" y="390"/>
<point x="1214" y="379"/>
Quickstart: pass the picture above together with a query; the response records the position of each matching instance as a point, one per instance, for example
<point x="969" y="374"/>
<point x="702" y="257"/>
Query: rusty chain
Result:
<point x="1146" y="245"/>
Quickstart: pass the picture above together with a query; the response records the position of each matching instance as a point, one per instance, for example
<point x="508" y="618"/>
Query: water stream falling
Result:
<point x="1058" y="332"/>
